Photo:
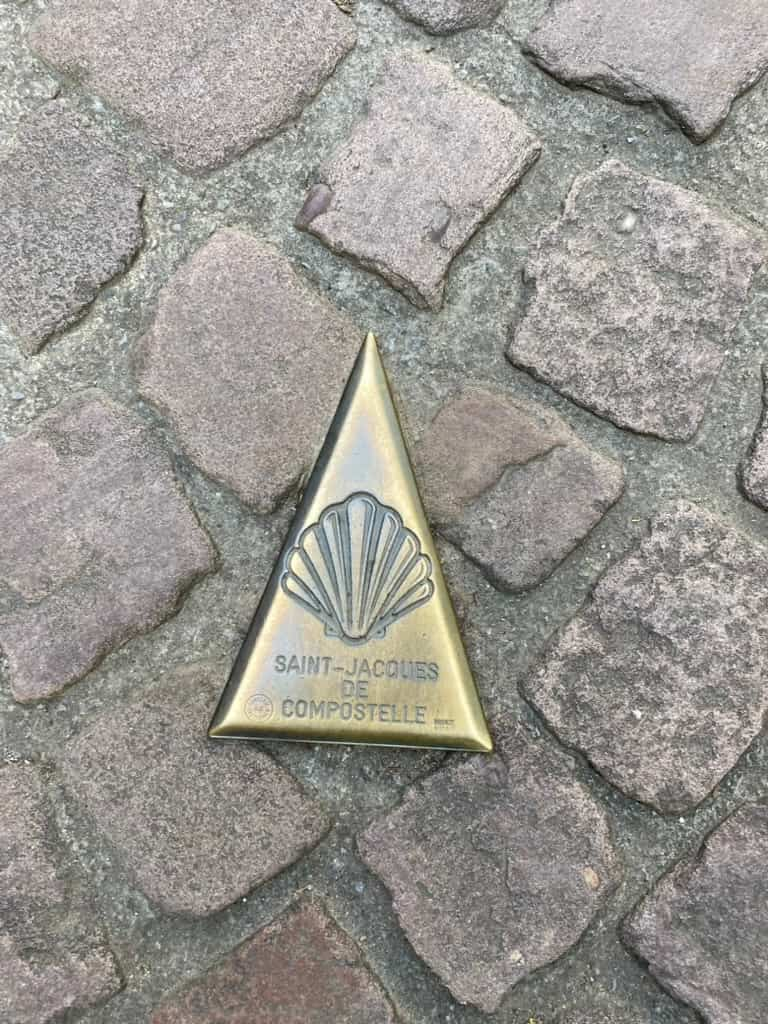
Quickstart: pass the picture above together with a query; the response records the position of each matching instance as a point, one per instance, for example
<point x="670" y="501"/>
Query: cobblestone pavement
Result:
<point x="554" y="218"/>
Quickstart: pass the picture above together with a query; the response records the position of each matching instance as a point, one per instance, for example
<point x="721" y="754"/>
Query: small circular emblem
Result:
<point x="259" y="707"/>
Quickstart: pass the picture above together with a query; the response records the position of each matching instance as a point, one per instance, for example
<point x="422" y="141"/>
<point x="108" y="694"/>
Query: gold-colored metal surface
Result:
<point x="355" y="639"/>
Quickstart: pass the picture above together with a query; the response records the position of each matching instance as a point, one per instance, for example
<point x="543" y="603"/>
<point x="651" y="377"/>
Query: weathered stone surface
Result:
<point x="97" y="541"/>
<point x="463" y="859"/>
<point x="623" y="1017"/>
<point x="417" y="177"/>
<point x="52" y="958"/>
<point x="512" y="486"/>
<point x="659" y="51"/>
<point x="207" y="78"/>
<point x="444" y="16"/>
<point x="702" y="929"/>
<point x="248" y="363"/>
<point x="301" y="969"/>
<point x="754" y="468"/>
<point x="650" y="282"/>
<point x="660" y="681"/>
<point x="23" y="84"/>
<point x="71" y="221"/>
<point x="196" y="824"/>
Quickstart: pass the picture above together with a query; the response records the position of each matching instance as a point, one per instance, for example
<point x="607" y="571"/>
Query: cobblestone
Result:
<point x="702" y="930"/>
<point x="149" y="233"/>
<point x="233" y="325"/>
<point x="512" y="486"/>
<point x="71" y="222"/>
<point x="174" y="806"/>
<point x="207" y="78"/>
<point x="661" y="51"/>
<point x="109" y="542"/>
<point x="301" y="969"/>
<point x="53" y="958"/>
<point x="408" y="189"/>
<point x="651" y="281"/>
<point x="462" y="859"/>
<point x="23" y="87"/>
<point x="445" y="16"/>
<point x="681" y="621"/>
<point x="754" y="468"/>
<point x="601" y="1018"/>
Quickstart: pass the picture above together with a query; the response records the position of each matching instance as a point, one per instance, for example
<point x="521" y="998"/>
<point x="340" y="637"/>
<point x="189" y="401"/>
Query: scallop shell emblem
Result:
<point x="358" y="569"/>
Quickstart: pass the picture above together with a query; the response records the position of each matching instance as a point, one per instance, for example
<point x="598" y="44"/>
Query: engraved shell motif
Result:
<point x="358" y="569"/>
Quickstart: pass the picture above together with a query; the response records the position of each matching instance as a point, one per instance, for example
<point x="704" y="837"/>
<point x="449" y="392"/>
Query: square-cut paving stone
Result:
<point x="71" y="221"/>
<point x="512" y="486"/>
<point x="660" y="680"/>
<point x="248" y="362"/>
<point x="197" y="824"/>
<point x="754" y="468"/>
<point x="496" y="866"/>
<point x="444" y="16"/>
<point x="703" y="928"/>
<point x="53" y="960"/>
<point x="637" y="290"/>
<point x="432" y="159"/>
<point x="301" y="969"/>
<point x="660" y="50"/>
<point x="97" y="541"/>
<point x="206" y="78"/>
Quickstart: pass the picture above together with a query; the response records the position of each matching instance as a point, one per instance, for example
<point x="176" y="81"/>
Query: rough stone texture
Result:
<point x="659" y="51"/>
<point x="650" y="282"/>
<point x="444" y="16"/>
<point x="754" y="468"/>
<point x="71" y="221"/>
<point x="52" y="958"/>
<point x="702" y="929"/>
<point x="429" y="358"/>
<point x="462" y="857"/>
<point x="23" y="87"/>
<point x="97" y="541"/>
<point x="660" y="680"/>
<point x="197" y="824"/>
<point x="417" y="177"/>
<point x="600" y="1018"/>
<point x="512" y="486"/>
<point x="248" y="363"/>
<point x="301" y="969"/>
<point x="207" y="78"/>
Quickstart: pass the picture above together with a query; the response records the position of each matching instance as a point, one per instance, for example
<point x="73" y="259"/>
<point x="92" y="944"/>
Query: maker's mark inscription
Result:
<point x="358" y="569"/>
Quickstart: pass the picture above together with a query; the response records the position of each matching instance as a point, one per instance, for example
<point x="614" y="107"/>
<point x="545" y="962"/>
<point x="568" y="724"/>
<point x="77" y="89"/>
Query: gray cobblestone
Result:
<point x="232" y="325"/>
<point x="754" y="467"/>
<point x="418" y="176"/>
<point x="53" y="958"/>
<point x="652" y="281"/>
<point x="107" y="545"/>
<point x="682" y="622"/>
<point x="702" y="929"/>
<point x="462" y="858"/>
<point x="207" y="79"/>
<point x="72" y="222"/>
<point x="444" y="16"/>
<point x="512" y="486"/>
<point x="661" y="51"/>
<point x="196" y="826"/>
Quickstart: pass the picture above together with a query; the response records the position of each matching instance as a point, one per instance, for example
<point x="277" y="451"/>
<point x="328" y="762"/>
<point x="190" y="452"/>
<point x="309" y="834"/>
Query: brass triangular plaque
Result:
<point x="355" y="639"/>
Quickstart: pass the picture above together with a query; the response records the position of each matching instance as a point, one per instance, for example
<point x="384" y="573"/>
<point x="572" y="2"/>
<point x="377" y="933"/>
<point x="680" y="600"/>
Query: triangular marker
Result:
<point x="355" y="639"/>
